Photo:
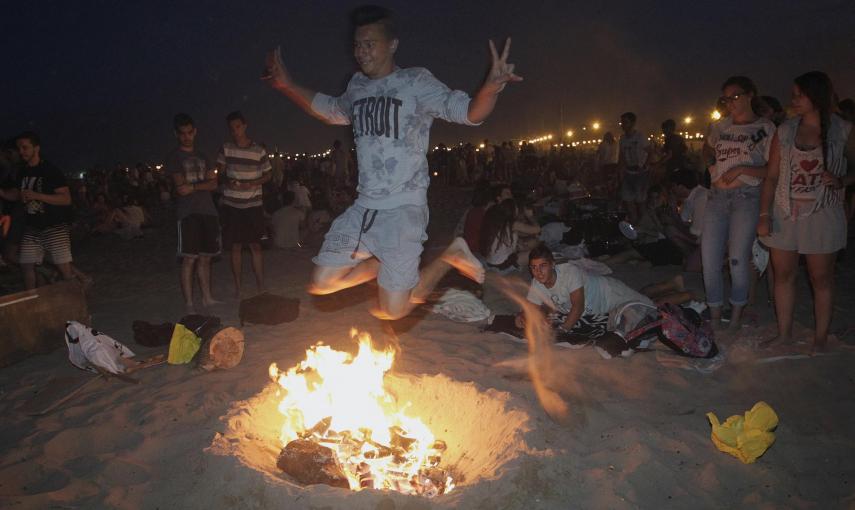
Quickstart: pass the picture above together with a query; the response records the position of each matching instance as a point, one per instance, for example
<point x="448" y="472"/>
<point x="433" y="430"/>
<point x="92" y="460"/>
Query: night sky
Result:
<point x="101" y="80"/>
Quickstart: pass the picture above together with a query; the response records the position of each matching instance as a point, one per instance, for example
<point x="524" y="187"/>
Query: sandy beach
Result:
<point x="637" y="437"/>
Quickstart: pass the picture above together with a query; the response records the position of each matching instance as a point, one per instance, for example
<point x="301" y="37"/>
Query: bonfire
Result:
<point x="343" y="427"/>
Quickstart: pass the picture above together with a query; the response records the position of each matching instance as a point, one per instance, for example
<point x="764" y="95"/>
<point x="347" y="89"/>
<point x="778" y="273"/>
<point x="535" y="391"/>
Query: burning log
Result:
<point x="310" y="463"/>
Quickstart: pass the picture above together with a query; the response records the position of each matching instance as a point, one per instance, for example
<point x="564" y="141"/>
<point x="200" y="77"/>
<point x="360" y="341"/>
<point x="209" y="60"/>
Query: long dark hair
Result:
<point x="817" y="86"/>
<point x="498" y="224"/>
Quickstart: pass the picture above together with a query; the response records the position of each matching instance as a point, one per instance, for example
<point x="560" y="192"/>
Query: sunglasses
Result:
<point x="730" y="99"/>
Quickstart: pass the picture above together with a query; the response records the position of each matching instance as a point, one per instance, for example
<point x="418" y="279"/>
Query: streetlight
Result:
<point x="570" y="134"/>
<point x="595" y="125"/>
<point x="687" y="120"/>
<point x="715" y="115"/>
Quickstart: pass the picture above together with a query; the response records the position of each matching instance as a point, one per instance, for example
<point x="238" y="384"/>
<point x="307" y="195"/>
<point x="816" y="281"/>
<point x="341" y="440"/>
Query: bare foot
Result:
<point x="458" y="256"/>
<point x="775" y="340"/>
<point x="189" y="308"/>
<point x="317" y="290"/>
<point x="206" y="302"/>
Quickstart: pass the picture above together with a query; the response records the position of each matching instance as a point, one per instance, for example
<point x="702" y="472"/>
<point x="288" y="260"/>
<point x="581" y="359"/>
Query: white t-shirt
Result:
<point x="740" y="145"/>
<point x="602" y="293"/>
<point x="301" y="197"/>
<point x="634" y="149"/>
<point x="286" y="227"/>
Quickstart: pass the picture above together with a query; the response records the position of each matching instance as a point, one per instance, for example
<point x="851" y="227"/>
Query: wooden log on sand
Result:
<point x="310" y="463"/>
<point x="33" y="321"/>
<point x="223" y="350"/>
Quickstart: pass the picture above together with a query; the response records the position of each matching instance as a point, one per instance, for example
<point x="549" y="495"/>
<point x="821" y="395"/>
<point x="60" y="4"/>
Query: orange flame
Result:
<point x="332" y="392"/>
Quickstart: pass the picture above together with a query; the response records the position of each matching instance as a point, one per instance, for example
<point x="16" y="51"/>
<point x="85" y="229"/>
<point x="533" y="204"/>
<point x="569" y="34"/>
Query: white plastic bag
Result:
<point x="88" y="347"/>
<point x="461" y="306"/>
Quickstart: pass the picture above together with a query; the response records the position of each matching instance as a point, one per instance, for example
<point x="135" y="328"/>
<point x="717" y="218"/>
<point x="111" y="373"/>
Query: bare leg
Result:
<point x="736" y="317"/>
<point x="237" y="267"/>
<point x="715" y="317"/>
<point x="675" y="298"/>
<point x="821" y="271"/>
<point x="257" y="265"/>
<point x="673" y="285"/>
<point x="622" y="257"/>
<point x="29" y="275"/>
<point x="397" y="304"/>
<point x="187" y="264"/>
<point x="786" y="264"/>
<point x="770" y="282"/>
<point x="203" y="274"/>
<point x="327" y="280"/>
<point x="68" y="271"/>
<point x="752" y="285"/>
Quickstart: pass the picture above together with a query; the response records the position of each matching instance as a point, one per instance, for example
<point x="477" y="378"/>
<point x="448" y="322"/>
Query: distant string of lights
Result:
<point x="540" y="139"/>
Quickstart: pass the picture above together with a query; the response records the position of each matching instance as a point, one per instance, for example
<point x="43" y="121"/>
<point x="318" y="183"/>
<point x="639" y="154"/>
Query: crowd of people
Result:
<point x="765" y="177"/>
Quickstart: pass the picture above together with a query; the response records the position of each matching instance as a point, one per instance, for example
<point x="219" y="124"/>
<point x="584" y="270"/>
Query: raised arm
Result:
<point x="501" y="72"/>
<point x="279" y="79"/>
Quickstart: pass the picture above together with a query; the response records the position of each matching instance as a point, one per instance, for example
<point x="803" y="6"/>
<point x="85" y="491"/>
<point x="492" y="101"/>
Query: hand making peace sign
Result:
<point x="501" y="72"/>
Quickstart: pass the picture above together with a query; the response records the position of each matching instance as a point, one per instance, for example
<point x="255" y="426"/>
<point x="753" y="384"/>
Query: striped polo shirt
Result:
<point x="243" y="164"/>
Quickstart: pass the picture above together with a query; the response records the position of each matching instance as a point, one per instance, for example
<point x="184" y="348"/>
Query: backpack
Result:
<point x="681" y="329"/>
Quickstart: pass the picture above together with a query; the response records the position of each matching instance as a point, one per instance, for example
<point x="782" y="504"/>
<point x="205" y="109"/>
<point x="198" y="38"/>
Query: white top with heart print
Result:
<point x="806" y="167"/>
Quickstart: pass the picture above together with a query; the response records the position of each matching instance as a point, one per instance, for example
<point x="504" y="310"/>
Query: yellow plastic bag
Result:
<point x="745" y="437"/>
<point x="183" y="346"/>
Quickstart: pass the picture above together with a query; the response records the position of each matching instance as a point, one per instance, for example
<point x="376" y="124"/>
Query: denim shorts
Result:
<point x="394" y="236"/>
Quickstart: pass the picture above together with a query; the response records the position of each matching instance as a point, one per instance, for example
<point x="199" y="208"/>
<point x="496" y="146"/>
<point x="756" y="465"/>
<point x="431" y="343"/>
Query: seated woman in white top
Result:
<point x="500" y="243"/>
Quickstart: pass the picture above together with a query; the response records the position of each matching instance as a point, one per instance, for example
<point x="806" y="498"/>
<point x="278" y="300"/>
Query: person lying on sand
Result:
<point x="578" y="301"/>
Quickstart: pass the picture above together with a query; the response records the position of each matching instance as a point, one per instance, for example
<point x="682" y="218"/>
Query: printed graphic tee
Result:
<point x="43" y="178"/>
<point x="740" y="145"/>
<point x="391" y="119"/>
<point x="194" y="166"/>
<point x="633" y="147"/>
<point x="806" y="168"/>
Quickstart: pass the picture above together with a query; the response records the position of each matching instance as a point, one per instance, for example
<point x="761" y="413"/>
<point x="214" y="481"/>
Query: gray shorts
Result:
<point x="823" y="231"/>
<point x="634" y="187"/>
<point x="394" y="236"/>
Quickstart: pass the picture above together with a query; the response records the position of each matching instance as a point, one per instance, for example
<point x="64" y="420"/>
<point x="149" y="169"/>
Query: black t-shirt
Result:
<point x="44" y="178"/>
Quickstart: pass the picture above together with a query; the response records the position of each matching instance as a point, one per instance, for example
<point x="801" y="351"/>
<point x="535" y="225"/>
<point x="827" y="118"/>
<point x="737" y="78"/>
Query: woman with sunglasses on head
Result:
<point x="801" y="209"/>
<point x="739" y="144"/>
